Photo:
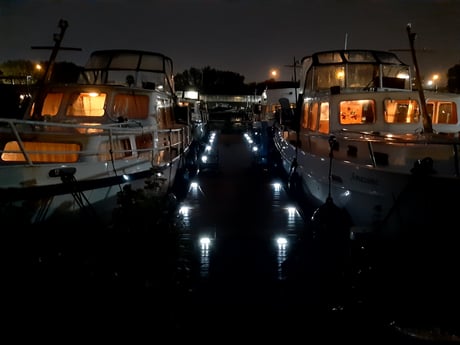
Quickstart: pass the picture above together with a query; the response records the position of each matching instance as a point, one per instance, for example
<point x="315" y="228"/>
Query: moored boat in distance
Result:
<point x="361" y="138"/>
<point x="196" y="110"/>
<point x="271" y="108"/>
<point x="80" y="144"/>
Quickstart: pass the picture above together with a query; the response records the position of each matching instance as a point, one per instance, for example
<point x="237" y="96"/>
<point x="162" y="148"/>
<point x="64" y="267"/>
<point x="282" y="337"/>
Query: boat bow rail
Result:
<point x="38" y="142"/>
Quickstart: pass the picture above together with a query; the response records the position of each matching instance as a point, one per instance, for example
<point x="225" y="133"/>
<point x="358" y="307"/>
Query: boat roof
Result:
<point x="132" y="67"/>
<point x="128" y="59"/>
<point x="354" y="56"/>
<point x="355" y="69"/>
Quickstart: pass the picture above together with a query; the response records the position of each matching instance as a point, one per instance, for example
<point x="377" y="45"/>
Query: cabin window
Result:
<point x="87" y="104"/>
<point x="447" y="113"/>
<point x="164" y="117"/>
<point x="131" y="106"/>
<point x="305" y="115"/>
<point x="401" y="111"/>
<point x="311" y="109"/>
<point x="51" y="104"/>
<point x="357" y="112"/>
<point x="119" y="149"/>
<point x="442" y="112"/>
<point x="329" y="76"/>
<point x="397" y="77"/>
<point x="430" y="109"/>
<point x="304" y="123"/>
<point x="330" y="57"/>
<point x="41" y="152"/>
<point x="361" y="76"/>
<point x="324" y="118"/>
<point x="144" y="144"/>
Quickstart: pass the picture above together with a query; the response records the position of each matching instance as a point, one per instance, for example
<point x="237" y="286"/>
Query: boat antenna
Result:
<point x="295" y="65"/>
<point x="58" y="37"/>
<point x="427" y="124"/>
<point x="346" y="40"/>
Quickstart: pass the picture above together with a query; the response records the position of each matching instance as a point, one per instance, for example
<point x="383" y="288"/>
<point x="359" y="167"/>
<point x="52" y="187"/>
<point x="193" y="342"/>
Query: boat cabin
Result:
<point x="368" y="91"/>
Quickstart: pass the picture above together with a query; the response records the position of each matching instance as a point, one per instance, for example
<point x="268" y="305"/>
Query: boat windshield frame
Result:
<point x="133" y="68"/>
<point x="355" y="70"/>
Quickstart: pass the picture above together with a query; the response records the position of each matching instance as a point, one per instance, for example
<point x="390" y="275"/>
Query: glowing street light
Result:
<point x="274" y="73"/>
<point x="433" y="82"/>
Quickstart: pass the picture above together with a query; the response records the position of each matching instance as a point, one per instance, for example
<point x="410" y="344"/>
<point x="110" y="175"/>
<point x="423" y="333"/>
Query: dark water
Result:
<point x="97" y="284"/>
<point x="372" y="292"/>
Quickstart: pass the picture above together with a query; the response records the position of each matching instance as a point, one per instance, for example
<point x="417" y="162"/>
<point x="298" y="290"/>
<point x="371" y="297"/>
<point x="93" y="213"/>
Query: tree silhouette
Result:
<point x="453" y="79"/>
<point x="210" y="81"/>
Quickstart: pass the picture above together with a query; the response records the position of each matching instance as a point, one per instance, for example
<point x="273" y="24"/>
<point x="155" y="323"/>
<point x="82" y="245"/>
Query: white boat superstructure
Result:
<point x="81" y="143"/>
<point x="361" y="138"/>
<point x="196" y="110"/>
<point x="270" y="107"/>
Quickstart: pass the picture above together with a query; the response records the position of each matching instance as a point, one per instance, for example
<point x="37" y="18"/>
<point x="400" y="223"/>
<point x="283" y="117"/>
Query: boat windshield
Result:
<point x="129" y="68"/>
<point x="356" y="70"/>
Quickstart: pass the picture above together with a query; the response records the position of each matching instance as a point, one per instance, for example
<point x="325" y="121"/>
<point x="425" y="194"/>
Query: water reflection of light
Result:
<point x="291" y="211"/>
<point x="292" y="218"/>
<point x="184" y="212"/>
<point x="195" y="191"/>
<point x="281" y="243"/>
<point x="276" y="190"/>
<point x="212" y="137"/>
<point x="205" y="243"/>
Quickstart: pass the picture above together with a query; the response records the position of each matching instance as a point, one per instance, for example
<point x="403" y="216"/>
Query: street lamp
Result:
<point x="274" y="73"/>
<point x="435" y="81"/>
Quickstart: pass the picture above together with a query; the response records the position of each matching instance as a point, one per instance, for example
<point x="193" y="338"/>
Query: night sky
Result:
<point x="249" y="37"/>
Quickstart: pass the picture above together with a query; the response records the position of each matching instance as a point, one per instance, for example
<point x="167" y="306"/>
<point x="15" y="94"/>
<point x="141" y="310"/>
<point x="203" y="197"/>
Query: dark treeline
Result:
<point x="206" y="80"/>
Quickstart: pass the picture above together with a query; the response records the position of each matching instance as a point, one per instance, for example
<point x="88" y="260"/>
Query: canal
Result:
<point x="264" y="276"/>
<point x="248" y="270"/>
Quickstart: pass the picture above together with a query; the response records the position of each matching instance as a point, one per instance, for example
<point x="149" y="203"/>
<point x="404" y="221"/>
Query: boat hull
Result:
<point x="378" y="201"/>
<point x="80" y="190"/>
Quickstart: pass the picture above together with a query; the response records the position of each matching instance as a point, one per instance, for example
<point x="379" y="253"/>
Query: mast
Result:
<point x="427" y="124"/>
<point x="40" y="96"/>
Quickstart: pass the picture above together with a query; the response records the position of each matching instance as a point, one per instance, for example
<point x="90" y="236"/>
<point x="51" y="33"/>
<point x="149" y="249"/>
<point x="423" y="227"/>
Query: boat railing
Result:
<point x="444" y="149"/>
<point x="60" y="142"/>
